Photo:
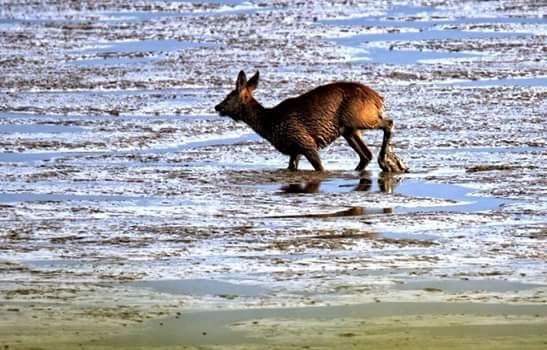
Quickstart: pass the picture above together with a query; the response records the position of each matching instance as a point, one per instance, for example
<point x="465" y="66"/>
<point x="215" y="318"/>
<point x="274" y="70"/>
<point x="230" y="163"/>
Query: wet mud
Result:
<point x="124" y="199"/>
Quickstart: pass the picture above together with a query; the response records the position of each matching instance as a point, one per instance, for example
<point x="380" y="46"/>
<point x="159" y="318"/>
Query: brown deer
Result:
<point x="302" y="125"/>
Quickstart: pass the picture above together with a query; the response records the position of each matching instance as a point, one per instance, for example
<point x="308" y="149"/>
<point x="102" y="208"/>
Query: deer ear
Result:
<point x="253" y="82"/>
<point x="241" y="80"/>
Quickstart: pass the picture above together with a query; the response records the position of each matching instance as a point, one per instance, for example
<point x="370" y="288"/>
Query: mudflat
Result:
<point x="132" y="215"/>
<point x="388" y="325"/>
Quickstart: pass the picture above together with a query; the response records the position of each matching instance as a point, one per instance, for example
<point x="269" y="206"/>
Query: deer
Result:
<point x="302" y="125"/>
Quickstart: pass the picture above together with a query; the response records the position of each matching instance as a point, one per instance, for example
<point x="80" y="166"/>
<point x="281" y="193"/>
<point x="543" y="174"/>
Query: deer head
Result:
<point x="240" y="99"/>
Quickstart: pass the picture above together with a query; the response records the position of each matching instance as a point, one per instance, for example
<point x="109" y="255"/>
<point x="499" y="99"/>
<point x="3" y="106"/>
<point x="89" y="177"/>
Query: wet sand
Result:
<point x="379" y="325"/>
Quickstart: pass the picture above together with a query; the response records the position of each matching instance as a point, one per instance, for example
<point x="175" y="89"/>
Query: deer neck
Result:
<point x="254" y="115"/>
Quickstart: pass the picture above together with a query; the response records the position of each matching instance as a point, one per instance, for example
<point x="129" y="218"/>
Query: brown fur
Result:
<point x="302" y="125"/>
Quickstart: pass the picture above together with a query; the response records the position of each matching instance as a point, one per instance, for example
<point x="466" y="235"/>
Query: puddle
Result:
<point x="114" y="61"/>
<point x="521" y="149"/>
<point x="460" y="286"/>
<point x="524" y="82"/>
<point x="30" y="157"/>
<point x="387" y="56"/>
<point x="427" y="30"/>
<point x="24" y="157"/>
<point x="129" y="16"/>
<point x="420" y="17"/>
<point x="38" y="129"/>
<point x="464" y="201"/>
<point x="410" y="236"/>
<point x="353" y="211"/>
<point x="46" y="197"/>
<point x="467" y="203"/>
<point x="225" y="7"/>
<point x="222" y="2"/>
<point x="202" y="287"/>
<point x="329" y="186"/>
<point x="408" y="10"/>
<point x="229" y="7"/>
<point x="59" y="264"/>
<point x="359" y="40"/>
<point x="151" y="46"/>
<point x="206" y="143"/>
<point x="56" y="118"/>
<point x="383" y="22"/>
<point x="213" y="327"/>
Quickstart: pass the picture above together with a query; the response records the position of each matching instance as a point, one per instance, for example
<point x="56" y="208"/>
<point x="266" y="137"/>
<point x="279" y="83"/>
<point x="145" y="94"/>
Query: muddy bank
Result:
<point x="381" y="325"/>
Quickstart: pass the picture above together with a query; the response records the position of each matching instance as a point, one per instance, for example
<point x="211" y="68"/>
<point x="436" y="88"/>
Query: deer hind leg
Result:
<point x="387" y="159"/>
<point x="293" y="162"/>
<point x="313" y="157"/>
<point x="356" y="142"/>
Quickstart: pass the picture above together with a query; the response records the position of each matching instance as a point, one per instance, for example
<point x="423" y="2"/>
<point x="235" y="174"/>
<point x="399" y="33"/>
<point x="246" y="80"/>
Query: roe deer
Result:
<point x="304" y="124"/>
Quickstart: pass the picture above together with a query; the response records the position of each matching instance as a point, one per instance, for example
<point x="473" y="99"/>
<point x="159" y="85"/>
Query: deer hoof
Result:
<point x="362" y="165"/>
<point x="391" y="163"/>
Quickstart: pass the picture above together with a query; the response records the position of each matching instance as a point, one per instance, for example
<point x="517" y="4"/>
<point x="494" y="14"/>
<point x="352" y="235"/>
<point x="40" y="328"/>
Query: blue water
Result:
<point x="409" y="13"/>
<point x="143" y="16"/>
<point x="110" y="54"/>
<point x="201" y="287"/>
<point x="30" y="157"/>
<point x="230" y="7"/>
<point x="430" y="24"/>
<point x="140" y="16"/>
<point x="6" y="197"/>
<point x="408" y="10"/>
<point x="525" y="82"/>
<point x="359" y="40"/>
<point x="386" y="56"/>
<point x="26" y="157"/>
<point x="148" y="46"/>
<point x="427" y="30"/>
<point x="402" y="186"/>
<point x="417" y="188"/>
<point x="521" y="149"/>
<point x="114" y="61"/>
<point x="25" y="117"/>
<point x="38" y="128"/>
<point x="221" y="2"/>
<point x="462" y="286"/>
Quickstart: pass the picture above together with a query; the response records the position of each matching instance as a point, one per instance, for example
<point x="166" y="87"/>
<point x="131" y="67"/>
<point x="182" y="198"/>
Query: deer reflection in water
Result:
<point x="386" y="183"/>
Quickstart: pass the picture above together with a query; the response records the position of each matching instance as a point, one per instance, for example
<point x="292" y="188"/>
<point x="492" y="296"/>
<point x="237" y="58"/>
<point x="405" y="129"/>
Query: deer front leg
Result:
<point x="387" y="159"/>
<point x="293" y="162"/>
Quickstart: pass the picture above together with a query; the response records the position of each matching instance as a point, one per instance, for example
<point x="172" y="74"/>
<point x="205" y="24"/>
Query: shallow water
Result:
<point x="429" y="23"/>
<point x="115" y="61"/>
<point x="526" y="82"/>
<point x="434" y="34"/>
<point x="461" y="286"/>
<point x="202" y="287"/>
<point x="434" y="30"/>
<point x="37" y="129"/>
<point x="47" y="197"/>
<point x="208" y="328"/>
<point x="404" y="57"/>
<point x="146" y="46"/>
<point x="460" y="196"/>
